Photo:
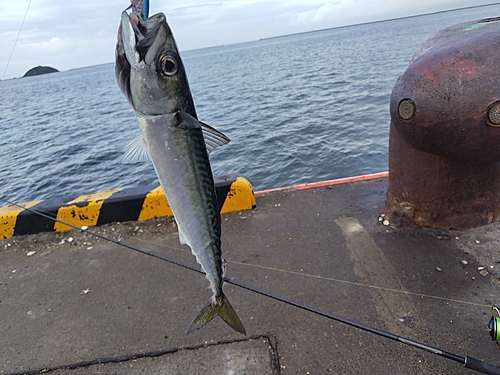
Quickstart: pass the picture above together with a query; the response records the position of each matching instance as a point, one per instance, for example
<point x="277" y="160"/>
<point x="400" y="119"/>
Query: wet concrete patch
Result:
<point x="254" y="356"/>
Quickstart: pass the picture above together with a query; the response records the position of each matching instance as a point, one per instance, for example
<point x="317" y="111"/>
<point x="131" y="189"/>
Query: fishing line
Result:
<point x="468" y="362"/>
<point x="326" y="278"/>
<point x="291" y="272"/>
<point x="17" y="38"/>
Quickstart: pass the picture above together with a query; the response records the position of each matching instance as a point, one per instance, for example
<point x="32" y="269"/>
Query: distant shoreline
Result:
<point x="345" y="26"/>
<point x="372" y="22"/>
<point x="40" y="70"/>
<point x="305" y="32"/>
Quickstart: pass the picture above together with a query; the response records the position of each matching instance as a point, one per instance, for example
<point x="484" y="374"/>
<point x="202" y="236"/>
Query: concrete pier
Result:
<point x="74" y="304"/>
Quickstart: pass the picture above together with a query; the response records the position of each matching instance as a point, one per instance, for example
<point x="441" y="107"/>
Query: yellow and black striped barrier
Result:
<point x="234" y="193"/>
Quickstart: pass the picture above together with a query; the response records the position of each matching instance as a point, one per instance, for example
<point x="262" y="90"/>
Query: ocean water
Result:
<point x="299" y="108"/>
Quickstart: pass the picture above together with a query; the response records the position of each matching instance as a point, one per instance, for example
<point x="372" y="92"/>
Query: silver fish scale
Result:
<point x="208" y="190"/>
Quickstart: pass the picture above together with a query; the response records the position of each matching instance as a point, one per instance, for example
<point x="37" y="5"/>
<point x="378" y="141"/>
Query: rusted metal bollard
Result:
<point x="444" y="148"/>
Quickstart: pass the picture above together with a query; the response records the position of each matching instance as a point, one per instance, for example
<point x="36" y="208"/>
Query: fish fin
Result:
<point x="218" y="306"/>
<point x="182" y="236"/>
<point x="213" y="137"/>
<point x="188" y="121"/>
<point x="136" y="151"/>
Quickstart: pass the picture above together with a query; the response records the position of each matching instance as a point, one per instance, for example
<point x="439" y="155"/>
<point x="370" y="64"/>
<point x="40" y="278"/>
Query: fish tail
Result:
<point x="217" y="306"/>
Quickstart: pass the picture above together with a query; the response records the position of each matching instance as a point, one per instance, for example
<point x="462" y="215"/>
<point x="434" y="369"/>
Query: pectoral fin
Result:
<point x="136" y="151"/>
<point x="213" y="137"/>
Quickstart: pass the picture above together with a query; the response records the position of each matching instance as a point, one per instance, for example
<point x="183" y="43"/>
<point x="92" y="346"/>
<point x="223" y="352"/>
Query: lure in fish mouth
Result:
<point x="151" y="75"/>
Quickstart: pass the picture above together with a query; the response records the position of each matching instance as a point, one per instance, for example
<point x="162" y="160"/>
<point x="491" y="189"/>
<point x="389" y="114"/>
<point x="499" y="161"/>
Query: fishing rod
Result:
<point x="468" y="362"/>
<point x="17" y="38"/>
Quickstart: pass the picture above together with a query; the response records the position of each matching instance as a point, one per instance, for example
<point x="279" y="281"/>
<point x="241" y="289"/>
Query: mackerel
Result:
<point x="151" y="75"/>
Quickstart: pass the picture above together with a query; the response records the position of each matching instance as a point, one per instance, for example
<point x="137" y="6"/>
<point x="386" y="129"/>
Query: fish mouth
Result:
<point x="145" y="37"/>
<point x="139" y="42"/>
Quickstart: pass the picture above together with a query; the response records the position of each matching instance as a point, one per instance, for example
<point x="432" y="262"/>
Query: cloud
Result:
<point x="61" y="34"/>
<point x="320" y="14"/>
<point x="342" y="12"/>
<point x="70" y="34"/>
<point x="316" y="15"/>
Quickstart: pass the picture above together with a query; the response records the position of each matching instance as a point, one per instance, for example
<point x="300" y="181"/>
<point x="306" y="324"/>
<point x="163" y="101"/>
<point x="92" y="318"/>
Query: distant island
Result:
<point x="40" y="70"/>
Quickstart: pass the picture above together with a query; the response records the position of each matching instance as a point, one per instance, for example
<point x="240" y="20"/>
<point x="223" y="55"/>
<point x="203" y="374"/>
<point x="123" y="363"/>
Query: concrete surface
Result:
<point x="76" y="302"/>
<point x="245" y="357"/>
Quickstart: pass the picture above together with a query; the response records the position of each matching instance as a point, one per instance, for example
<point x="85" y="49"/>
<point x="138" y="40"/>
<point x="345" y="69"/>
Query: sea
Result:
<point x="298" y="108"/>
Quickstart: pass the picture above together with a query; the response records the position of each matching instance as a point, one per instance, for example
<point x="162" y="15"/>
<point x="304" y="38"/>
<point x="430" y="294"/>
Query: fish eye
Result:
<point x="168" y="65"/>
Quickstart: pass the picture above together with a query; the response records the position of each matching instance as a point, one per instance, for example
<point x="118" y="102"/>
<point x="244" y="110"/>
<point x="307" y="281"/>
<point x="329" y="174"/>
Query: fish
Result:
<point x="151" y="75"/>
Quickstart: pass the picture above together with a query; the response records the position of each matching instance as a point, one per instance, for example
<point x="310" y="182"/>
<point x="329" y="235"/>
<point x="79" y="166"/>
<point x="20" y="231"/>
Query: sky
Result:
<point x="68" y="34"/>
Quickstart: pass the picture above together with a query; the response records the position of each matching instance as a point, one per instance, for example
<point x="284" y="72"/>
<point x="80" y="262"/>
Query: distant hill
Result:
<point x="40" y="70"/>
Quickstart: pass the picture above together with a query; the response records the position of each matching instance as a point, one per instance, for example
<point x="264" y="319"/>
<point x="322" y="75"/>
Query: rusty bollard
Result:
<point x="444" y="147"/>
